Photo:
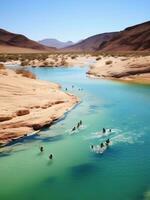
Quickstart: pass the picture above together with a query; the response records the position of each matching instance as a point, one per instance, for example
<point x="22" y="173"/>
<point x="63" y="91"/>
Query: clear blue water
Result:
<point x="122" y="172"/>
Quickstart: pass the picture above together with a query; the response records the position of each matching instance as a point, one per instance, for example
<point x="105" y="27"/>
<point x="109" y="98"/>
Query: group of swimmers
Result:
<point x="104" y="130"/>
<point x="73" y="87"/>
<point x="78" y="125"/>
<point x="50" y="156"/>
<point x="102" y="147"/>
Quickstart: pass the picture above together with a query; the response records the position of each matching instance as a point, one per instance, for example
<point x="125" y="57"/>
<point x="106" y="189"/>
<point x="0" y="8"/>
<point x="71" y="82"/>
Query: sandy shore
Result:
<point x="130" y="69"/>
<point x="28" y="105"/>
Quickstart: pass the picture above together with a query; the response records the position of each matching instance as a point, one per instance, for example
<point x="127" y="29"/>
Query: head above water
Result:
<point x="104" y="130"/>
<point x="102" y="145"/>
<point x="74" y="128"/>
<point x="41" y="149"/>
<point x="51" y="156"/>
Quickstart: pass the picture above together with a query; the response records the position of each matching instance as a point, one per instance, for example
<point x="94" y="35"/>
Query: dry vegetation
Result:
<point x="25" y="73"/>
<point x="57" y="59"/>
<point x="121" y="53"/>
<point x="73" y="55"/>
<point x="23" y="57"/>
<point x="108" y="62"/>
<point x="2" y="66"/>
<point x="98" y="58"/>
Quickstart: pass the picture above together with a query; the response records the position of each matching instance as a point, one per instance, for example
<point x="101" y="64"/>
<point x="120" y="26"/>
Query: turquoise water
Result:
<point x="76" y="173"/>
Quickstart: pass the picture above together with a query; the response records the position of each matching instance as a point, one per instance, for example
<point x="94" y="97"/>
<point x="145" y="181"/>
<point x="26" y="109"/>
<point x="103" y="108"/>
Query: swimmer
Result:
<point x="102" y="145"/>
<point x="92" y="146"/>
<point x="107" y="142"/>
<point x="110" y="130"/>
<point x="78" y="125"/>
<point x="80" y="122"/>
<point x="51" y="156"/>
<point x="104" y="130"/>
<point x="41" y="149"/>
<point x="74" y="128"/>
<point x="66" y="89"/>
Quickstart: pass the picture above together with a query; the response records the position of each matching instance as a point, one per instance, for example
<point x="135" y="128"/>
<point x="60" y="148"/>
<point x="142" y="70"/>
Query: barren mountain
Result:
<point x="91" y="43"/>
<point x="134" y="38"/>
<point x="8" y="39"/>
<point x="55" y="43"/>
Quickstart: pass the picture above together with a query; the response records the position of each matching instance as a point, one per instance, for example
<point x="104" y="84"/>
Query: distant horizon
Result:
<point x="70" y="20"/>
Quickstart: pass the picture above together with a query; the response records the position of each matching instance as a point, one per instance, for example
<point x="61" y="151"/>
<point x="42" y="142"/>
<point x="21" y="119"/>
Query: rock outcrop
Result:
<point x="29" y="104"/>
<point x="124" y="68"/>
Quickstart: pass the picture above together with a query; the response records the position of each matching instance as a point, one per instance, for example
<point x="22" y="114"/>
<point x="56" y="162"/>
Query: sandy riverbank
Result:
<point x="28" y="104"/>
<point x="130" y="69"/>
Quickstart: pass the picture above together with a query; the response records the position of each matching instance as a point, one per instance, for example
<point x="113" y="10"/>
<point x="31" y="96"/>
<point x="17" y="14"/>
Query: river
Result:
<point x="122" y="172"/>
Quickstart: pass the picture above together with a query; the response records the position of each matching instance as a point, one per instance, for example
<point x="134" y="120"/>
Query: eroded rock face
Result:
<point x="28" y="105"/>
<point x="124" y="68"/>
<point x="22" y="112"/>
<point x="5" y="118"/>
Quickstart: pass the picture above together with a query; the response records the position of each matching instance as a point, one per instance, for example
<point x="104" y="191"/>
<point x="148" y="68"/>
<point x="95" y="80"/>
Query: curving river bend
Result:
<point x="76" y="173"/>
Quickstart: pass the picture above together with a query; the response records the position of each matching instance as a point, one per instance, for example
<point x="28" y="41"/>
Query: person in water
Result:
<point x="80" y="122"/>
<point x="41" y="149"/>
<point x="78" y="125"/>
<point x="51" y="156"/>
<point x="66" y="89"/>
<point x="74" y="128"/>
<point x="104" y="130"/>
<point x="110" y="130"/>
<point x="107" y="142"/>
<point x="92" y="146"/>
<point x="102" y="145"/>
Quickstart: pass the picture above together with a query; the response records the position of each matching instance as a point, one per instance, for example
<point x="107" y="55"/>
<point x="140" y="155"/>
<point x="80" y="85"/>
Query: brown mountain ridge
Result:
<point x="9" y="40"/>
<point x="134" y="38"/>
<point x="91" y="43"/>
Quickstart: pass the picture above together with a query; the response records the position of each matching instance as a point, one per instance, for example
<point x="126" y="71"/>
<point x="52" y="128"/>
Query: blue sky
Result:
<point x="70" y="19"/>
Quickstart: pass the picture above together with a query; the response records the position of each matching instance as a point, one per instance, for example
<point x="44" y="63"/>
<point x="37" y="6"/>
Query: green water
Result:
<point x="77" y="173"/>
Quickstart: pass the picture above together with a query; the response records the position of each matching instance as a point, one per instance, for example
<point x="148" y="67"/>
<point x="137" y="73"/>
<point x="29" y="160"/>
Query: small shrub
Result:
<point x="51" y="63"/>
<point x="124" y="59"/>
<point x="24" y="63"/>
<point x="25" y="73"/>
<point x="2" y="66"/>
<point x="98" y="58"/>
<point x="45" y="63"/>
<point x="108" y="62"/>
<point x="63" y="62"/>
<point x="3" y="59"/>
<point x="74" y="56"/>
